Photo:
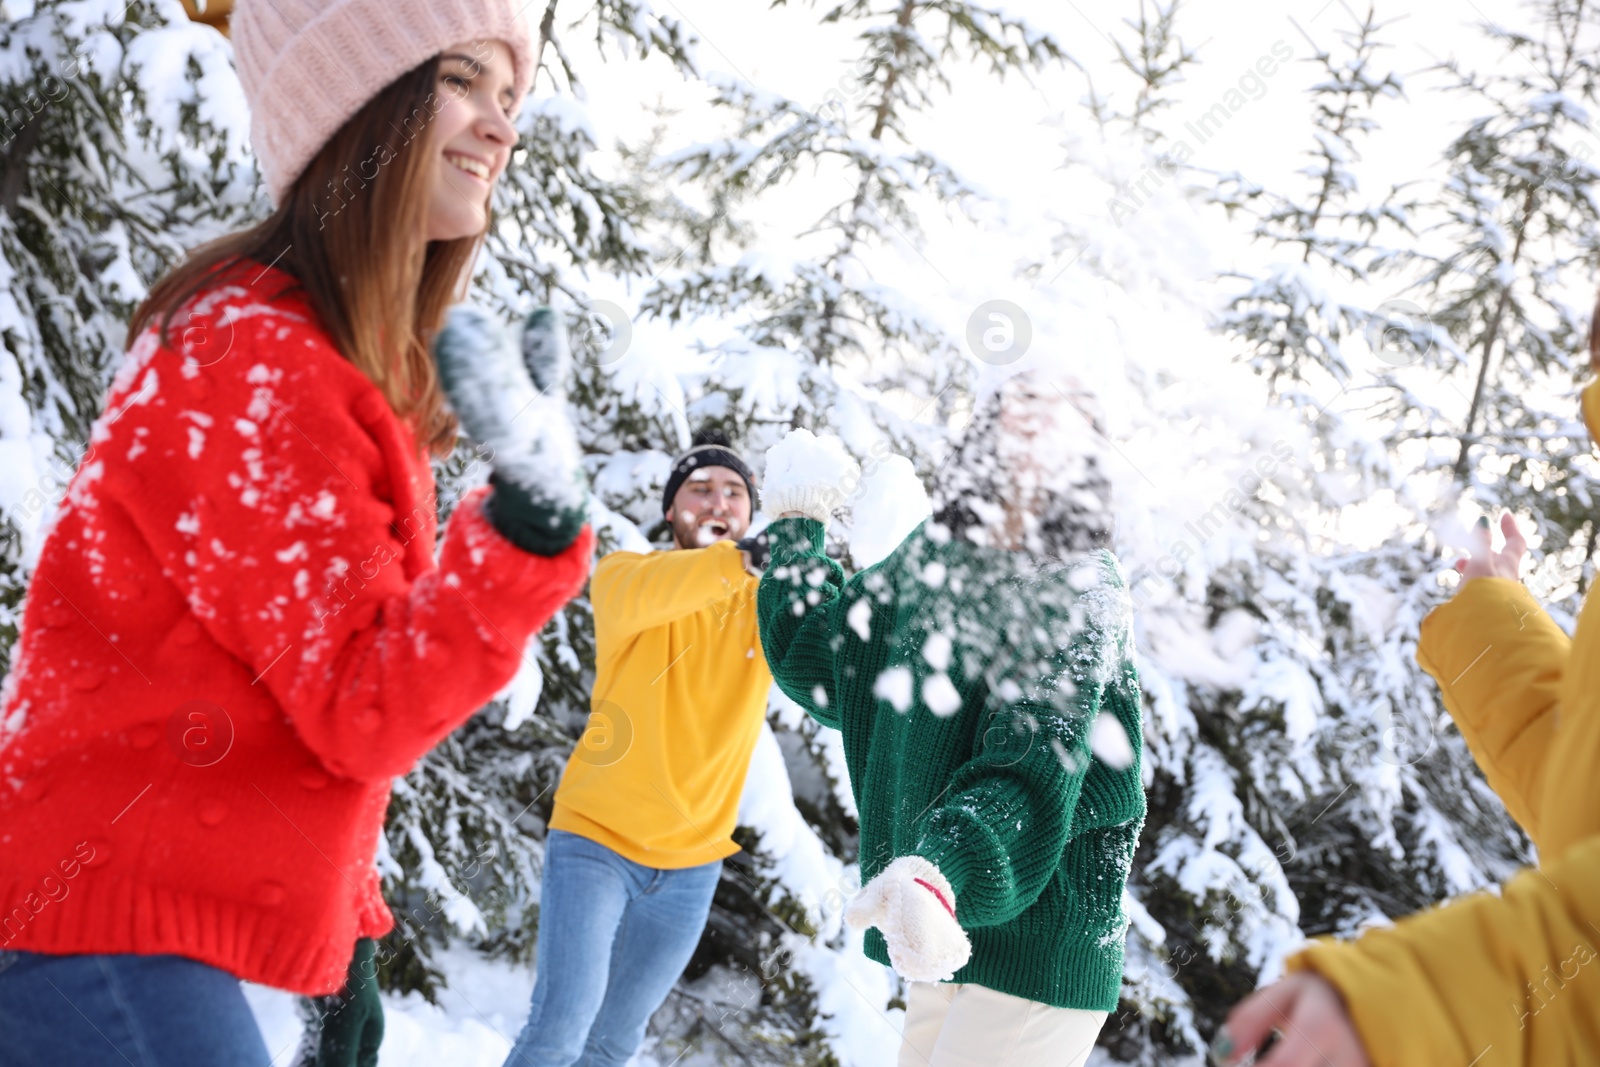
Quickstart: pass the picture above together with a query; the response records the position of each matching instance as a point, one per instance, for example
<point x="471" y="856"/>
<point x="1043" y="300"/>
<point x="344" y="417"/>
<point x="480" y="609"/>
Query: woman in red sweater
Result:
<point x="238" y="631"/>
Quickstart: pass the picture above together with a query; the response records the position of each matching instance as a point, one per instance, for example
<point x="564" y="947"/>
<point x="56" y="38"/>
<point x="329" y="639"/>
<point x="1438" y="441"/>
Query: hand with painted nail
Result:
<point x="1309" y="1014"/>
<point x="1484" y="562"/>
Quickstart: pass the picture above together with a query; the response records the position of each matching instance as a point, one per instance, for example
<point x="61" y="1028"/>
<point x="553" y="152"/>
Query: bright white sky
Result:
<point x="992" y="131"/>
<point x="1008" y="138"/>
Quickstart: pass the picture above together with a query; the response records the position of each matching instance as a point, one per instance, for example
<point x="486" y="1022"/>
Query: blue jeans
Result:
<point x="119" y="1010"/>
<point x="614" y="936"/>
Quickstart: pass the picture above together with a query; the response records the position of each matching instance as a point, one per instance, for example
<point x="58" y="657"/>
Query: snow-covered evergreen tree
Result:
<point x="121" y="144"/>
<point x="1514" y="288"/>
<point x="1300" y="780"/>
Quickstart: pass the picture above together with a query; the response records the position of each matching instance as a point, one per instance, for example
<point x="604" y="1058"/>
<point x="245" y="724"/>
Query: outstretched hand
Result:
<point x="1484" y="562"/>
<point x="757" y="552"/>
<point x="1309" y="1014"/>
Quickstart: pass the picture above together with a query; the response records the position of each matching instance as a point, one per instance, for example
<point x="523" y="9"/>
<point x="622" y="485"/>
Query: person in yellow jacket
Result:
<point x="1508" y="980"/>
<point x="645" y="812"/>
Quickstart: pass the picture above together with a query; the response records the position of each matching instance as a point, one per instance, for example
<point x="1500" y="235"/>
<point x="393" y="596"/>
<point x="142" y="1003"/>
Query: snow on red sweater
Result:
<point x="236" y="635"/>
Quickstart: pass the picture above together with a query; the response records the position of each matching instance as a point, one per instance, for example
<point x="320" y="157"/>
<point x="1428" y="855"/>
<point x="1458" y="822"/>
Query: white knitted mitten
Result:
<point x="809" y="474"/>
<point x="914" y="906"/>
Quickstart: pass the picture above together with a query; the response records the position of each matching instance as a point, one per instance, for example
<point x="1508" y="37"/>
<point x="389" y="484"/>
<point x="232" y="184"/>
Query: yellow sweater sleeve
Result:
<point x="1570" y="794"/>
<point x="1492" y="981"/>
<point x="1499" y="660"/>
<point x="636" y="591"/>
<point x="1591" y="409"/>
<point x="1510" y="980"/>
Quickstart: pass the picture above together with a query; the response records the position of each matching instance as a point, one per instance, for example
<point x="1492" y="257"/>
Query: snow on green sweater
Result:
<point x="967" y="683"/>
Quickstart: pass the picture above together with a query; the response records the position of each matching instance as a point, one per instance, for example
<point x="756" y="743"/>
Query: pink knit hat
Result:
<point x="307" y="66"/>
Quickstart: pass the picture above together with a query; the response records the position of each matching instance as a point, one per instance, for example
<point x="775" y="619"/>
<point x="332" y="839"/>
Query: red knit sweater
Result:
<point x="236" y="635"/>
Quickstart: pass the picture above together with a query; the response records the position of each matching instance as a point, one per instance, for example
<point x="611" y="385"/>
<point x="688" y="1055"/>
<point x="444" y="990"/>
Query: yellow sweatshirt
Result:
<point x="680" y="692"/>
<point x="1510" y="980"/>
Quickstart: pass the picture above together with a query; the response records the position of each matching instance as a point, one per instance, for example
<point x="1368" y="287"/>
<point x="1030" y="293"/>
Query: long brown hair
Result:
<point x="351" y="231"/>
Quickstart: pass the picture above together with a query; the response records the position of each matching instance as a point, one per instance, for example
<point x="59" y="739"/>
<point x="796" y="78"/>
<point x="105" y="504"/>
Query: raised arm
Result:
<point x="636" y="591"/>
<point x="1499" y="660"/>
<point x="1491" y="978"/>
<point x="801" y="615"/>
<point x="266" y="485"/>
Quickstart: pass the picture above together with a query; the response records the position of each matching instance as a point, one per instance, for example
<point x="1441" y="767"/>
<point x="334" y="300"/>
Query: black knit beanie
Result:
<point x="709" y="448"/>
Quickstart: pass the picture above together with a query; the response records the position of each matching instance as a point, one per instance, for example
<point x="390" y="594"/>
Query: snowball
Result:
<point x="1069" y="760"/>
<point x="894" y="685"/>
<point x="803" y="461"/>
<point x="937" y="651"/>
<point x="859" y="617"/>
<point x="940" y="695"/>
<point x="889" y="505"/>
<point x="1109" y="741"/>
<point x="523" y="691"/>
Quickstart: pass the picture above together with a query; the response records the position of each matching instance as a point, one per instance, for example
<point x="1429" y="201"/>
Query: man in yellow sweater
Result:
<point x="645" y="812"/>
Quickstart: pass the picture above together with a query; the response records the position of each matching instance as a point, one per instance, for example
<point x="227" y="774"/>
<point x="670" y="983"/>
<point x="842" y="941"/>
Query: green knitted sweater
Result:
<point x="967" y="683"/>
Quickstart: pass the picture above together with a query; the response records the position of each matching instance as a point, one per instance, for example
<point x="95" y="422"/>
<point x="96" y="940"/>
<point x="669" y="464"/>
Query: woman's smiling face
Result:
<point x="472" y="135"/>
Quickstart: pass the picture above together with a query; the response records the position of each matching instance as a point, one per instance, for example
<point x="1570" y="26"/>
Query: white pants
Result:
<point x="952" y="1024"/>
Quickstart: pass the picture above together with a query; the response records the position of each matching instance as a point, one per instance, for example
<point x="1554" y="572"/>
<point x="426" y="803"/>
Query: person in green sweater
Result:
<point x="982" y="678"/>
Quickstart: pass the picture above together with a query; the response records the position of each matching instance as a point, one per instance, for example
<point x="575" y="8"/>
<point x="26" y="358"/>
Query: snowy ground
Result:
<point x="480" y="1012"/>
<point x="481" y="1009"/>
